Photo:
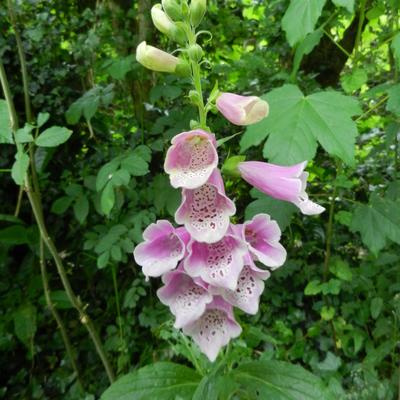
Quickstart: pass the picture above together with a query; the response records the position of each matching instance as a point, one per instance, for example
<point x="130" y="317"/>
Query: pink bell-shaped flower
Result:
<point x="205" y="211"/>
<point x="214" y="329"/>
<point x="163" y="248"/>
<point x="219" y="263"/>
<point x="191" y="159"/>
<point x="283" y="183"/>
<point x="242" y="110"/>
<point x="262" y="236"/>
<point x="247" y="294"/>
<point x="186" y="297"/>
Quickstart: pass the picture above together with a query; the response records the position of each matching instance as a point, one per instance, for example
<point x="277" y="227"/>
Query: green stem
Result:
<point x="378" y="104"/>
<point x="75" y="301"/>
<point x="22" y="60"/>
<point x="359" y="30"/>
<point x="338" y="45"/>
<point x="193" y="357"/>
<point x="116" y="293"/>
<point x="57" y="317"/>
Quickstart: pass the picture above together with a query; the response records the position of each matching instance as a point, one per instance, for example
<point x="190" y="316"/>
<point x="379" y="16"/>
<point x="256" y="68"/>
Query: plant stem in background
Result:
<point x="57" y="317"/>
<point x="359" y="31"/>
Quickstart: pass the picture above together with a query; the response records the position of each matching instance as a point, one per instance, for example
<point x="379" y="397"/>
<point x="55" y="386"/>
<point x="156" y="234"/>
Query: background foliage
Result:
<point x="330" y="71"/>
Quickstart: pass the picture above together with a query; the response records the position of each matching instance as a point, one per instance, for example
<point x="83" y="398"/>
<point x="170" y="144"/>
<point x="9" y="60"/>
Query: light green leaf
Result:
<point x="393" y="104"/>
<point x="19" y="168"/>
<point x="342" y="270"/>
<point x="396" y="47"/>
<point x="107" y="198"/>
<point x="53" y="136"/>
<point x="158" y="381"/>
<point x="5" y="125"/>
<point x="279" y="210"/>
<point x="277" y="380"/>
<point x="23" y="135"/>
<point x="296" y="122"/>
<point x="327" y="313"/>
<point x="300" y="19"/>
<point x="378" y="222"/>
<point x="42" y="118"/>
<point x="25" y="324"/>
<point x="347" y="4"/>
<point x="354" y="80"/>
<point x="81" y="208"/>
<point x="330" y="363"/>
<point x="313" y="287"/>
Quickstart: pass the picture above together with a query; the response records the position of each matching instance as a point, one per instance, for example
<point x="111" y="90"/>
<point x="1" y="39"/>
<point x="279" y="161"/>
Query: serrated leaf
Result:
<point x="378" y="222"/>
<point x="279" y="380"/>
<point x="354" y="80"/>
<point x="158" y="381"/>
<point x="279" y="210"/>
<point x="300" y="19"/>
<point x="81" y="208"/>
<point x="347" y="4"/>
<point x="5" y="125"/>
<point x="396" y="47"/>
<point x="53" y="136"/>
<point x="19" y="168"/>
<point x="107" y="199"/>
<point x="393" y="104"/>
<point x="296" y="122"/>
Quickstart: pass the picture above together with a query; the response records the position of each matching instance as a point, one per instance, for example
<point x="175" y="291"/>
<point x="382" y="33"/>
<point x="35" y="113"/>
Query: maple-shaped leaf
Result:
<point x="296" y="124"/>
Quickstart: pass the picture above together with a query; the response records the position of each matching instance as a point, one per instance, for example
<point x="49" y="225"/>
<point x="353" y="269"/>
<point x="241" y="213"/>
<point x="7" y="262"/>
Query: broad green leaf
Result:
<point x="25" y="324"/>
<point x="59" y="299"/>
<point x="296" y="122"/>
<point x="158" y="381"/>
<point x="19" y="168"/>
<point x="347" y="4"/>
<point x="396" y="47"/>
<point x="327" y="313"/>
<point x="15" y="234"/>
<point x="378" y="222"/>
<point x="165" y="197"/>
<point x="61" y="205"/>
<point x="81" y="208"/>
<point x="313" y="287"/>
<point x="107" y="198"/>
<point x="105" y="174"/>
<point x="376" y="307"/>
<point x="53" y="136"/>
<point x="342" y="270"/>
<point x="331" y="287"/>
<point x="5" y="125"/>
<point x="121" y="178"/>
<point x="119" y="67"/>
<point x="279" y="210"/>
<point x="300" y="19"/>
<point x="354" y="80"/>
<point x="90" y="107"/>
<point x="135" y="165"/>
<point x="393" y="104"/>
<point x="305" y="47"/>
<point x="103" y="259"/>
<point x="73" y="114"/>
<point x="42" y="118"/>
<point x="215" y="387"/>
<point x="330" y="363"/>
<point x="277" y="380"/>
<point x="23" y="135"/>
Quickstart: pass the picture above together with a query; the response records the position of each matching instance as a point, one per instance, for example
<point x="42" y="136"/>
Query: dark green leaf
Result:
<point x="61" y="205"/>
<point x="81" y="208"/>
<point x="5" y="125"/>
<point x="277" y="380"/>
<point x="107" y="198"/>
<point x="159" y="381"/>
<point x="25" y="324"/>
<point x="105" y="174"/>
<point x="393" y="104"/>
<point x="376" y="307"/>
<point x="16" y="234"/>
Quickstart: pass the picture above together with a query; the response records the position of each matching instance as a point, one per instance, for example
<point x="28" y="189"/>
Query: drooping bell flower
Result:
<point x="214" y="329"/>
<point x="186" y="297"/>
<point x="205" y="211"/>
<point x="262" y="236"/>
<point x="166" y="26"/>
<point x="163" y="247"/>
<point x="242" y="110"/>
<point x="219" y="263"/>
<point x="249" y="288"/>
<point x="191" y="159"/>
<point x="283" y="183"/>
<point x="155" y="59"/>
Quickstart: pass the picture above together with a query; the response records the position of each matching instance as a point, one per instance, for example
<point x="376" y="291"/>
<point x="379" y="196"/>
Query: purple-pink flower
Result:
<point x="206" y="211"/>
<point x="283" y="183"/>
<point x="219" y="263"/>
<point x="215" y="328"/>
<point x="242" y="110"/>
<point x="163" y="248"/>
<point x="186" y="297"/>
<point x="191" y="159"/>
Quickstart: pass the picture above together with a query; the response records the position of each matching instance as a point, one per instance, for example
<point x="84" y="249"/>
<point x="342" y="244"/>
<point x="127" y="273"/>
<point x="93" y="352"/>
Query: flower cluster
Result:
<point x="208" y="265"/>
